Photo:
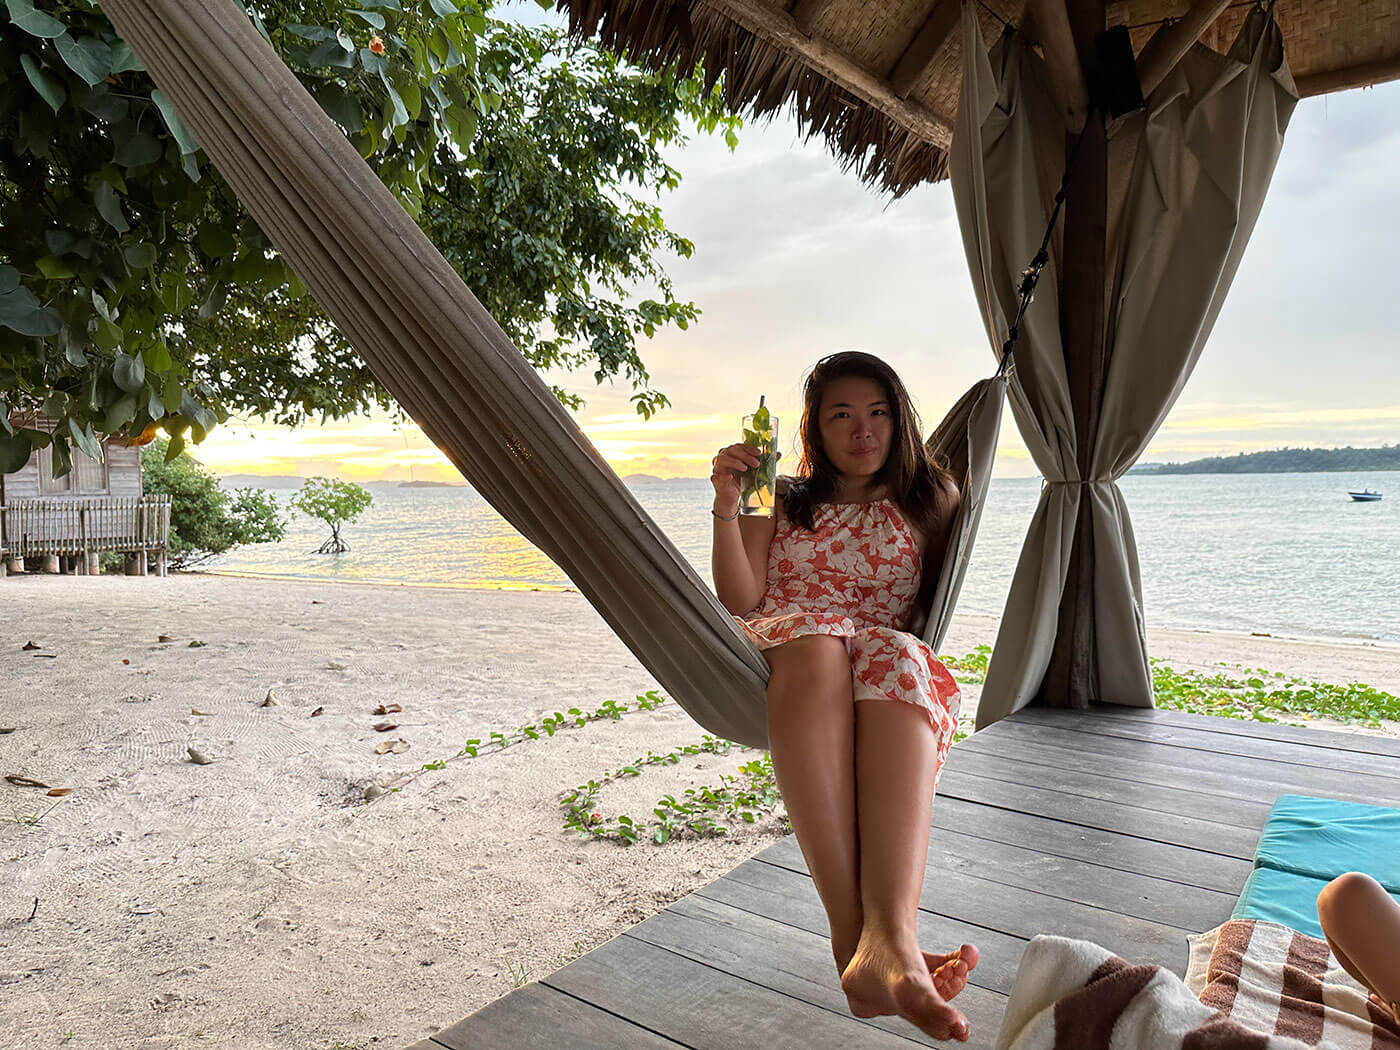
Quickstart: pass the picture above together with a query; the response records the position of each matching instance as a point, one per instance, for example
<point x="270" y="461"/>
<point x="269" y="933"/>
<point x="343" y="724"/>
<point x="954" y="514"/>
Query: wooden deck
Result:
<point x="1126" y="827"/>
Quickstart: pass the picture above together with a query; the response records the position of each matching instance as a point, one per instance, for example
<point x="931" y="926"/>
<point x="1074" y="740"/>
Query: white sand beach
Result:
<point x="260" y="900"/>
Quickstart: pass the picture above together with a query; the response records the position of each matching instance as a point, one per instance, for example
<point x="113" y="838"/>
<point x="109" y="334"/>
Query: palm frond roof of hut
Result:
<point x="880" y="81"/>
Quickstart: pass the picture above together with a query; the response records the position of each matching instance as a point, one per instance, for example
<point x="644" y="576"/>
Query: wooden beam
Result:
<point x="923" y="48"/>
<point x="1070" y="679"/>
<point x="778" y="28"/>
<point x="1066" y="72"/>
<point x="1166" y="49"/>
<point x="1365" y="75"/>
<point x="806" y="13"/>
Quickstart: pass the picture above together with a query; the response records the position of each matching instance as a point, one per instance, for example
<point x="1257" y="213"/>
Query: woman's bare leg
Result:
<point x="811" y="736"/>
<point x="896" y="761"/>
<point x="1362" y="924"/>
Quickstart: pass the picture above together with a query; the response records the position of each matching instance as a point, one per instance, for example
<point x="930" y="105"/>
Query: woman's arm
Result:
<point x="739" y="561"/>
<point x="739" y="555"/>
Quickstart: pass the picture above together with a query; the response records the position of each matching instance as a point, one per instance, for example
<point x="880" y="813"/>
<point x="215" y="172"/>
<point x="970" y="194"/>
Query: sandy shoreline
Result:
<point x="258" y="901"/>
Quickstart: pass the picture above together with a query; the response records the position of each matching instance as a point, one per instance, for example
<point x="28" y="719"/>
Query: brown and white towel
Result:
<point x="1074" y="995"/>
<point x="1274" y="979"/>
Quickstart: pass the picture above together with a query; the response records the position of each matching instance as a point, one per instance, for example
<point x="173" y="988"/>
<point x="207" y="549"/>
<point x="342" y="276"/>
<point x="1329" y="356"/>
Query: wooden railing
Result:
<point x="82" y="528"/>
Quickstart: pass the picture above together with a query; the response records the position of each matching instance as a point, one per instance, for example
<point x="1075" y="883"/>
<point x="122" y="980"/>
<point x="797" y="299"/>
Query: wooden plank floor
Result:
<point x="1126" y="827"/>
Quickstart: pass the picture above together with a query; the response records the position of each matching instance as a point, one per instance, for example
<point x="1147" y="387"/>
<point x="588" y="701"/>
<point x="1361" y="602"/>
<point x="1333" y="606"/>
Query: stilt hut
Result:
<point x="64" y="524"/>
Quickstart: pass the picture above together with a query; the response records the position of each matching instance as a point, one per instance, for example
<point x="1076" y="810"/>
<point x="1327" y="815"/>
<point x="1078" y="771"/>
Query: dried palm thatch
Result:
<point x="880" y="81"/>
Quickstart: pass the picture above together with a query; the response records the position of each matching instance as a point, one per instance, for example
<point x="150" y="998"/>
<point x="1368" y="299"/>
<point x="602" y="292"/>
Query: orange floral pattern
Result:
<point x="856" y="576"/>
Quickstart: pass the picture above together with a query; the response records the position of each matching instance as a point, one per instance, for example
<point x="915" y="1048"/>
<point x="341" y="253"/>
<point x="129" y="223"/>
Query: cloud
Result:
<point x="795" y="259"/>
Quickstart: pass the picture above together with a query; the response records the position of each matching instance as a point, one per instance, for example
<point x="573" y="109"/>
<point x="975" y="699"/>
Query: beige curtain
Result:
<point x="449" y="364"/>
<point x="1187" y="180"/>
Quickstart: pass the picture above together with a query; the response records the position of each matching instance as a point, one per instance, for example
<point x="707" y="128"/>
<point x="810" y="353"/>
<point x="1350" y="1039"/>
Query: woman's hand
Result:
<point x="725" y="468"/>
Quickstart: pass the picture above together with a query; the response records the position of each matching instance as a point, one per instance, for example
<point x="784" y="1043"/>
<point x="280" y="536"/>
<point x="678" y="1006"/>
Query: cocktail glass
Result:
<point x="757" y="485"/>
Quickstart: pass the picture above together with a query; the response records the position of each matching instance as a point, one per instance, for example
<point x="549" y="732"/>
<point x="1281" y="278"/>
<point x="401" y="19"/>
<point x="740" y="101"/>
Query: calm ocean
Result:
<point x="1282" y="553"/>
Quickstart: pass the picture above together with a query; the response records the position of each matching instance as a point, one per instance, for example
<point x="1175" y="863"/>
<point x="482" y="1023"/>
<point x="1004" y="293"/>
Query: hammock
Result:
<point x="437" y="350"/>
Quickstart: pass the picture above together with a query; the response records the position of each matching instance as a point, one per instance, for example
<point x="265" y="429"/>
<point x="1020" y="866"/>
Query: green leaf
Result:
<point x="9" y="279"/>
<point x="14" y="452"/>
<point x="157" y="358"/>
<point x="175" y="292"/>
<point x="50" y="88"/>
<point x="371" y="62"/>
<point x="340" y="105"/>
<point x="128" y="372"/>
<point x="54" y="268"/>
<point x="172" y="394"/>
<point x="107" y="336"/>
<point x="178" y="131"/>
<point x="73" y="354"/>
<point x="62" y="458"/>
<point x="216" y="241"/>
<point x="331" y="53"/>
<point x="444" y="8"/>
<point x="123" y="60"/>
<point x="315" y="34"/>
<point x="136" y="150"/>
<point x="376" y="20"/>
<point x="100" y="305"/>
<point x="109" y="207"/>
<point x="85" y="439"/>
<point x="141" y="256"/>
<point x="399" y="110"/>
<point x="177" y="445"/>
<point x="35" y="23"/>
<point x="218" y="295"/>
<point x="119" y="413"/>
<point x="87" y="56"/>
<point x="21" y="311"/>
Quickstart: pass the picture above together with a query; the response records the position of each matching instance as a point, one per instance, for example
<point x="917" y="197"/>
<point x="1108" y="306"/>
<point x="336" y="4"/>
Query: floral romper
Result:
<point x="856" y="576"/>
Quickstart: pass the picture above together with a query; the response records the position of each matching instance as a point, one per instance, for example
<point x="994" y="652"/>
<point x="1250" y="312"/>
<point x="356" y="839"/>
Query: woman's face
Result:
<point x="856" y="425"/>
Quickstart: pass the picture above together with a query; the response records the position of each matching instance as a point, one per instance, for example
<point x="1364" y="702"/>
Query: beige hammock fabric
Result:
<point x="1187" y="180"/>
<point x="430" y="342"/>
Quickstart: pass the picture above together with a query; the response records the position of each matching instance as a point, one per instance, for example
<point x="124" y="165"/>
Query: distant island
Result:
<point x="430" y="485"/>
<point x="262" y="481"/>
<point x="1285" y="461"/>
<point x="640" y="479"/>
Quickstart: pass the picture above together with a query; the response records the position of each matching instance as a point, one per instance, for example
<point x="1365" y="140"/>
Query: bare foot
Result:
<point x="949" y="971"/>
<point x="891" y="976"/>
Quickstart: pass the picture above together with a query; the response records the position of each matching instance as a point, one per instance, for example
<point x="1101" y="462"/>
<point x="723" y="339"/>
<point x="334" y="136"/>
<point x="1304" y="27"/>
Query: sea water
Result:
<point x="1277" y="553"/>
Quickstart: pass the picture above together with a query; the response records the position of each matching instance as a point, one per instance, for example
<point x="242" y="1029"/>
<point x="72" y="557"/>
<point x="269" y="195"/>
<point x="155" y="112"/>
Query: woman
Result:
<point x="826" y="588"/>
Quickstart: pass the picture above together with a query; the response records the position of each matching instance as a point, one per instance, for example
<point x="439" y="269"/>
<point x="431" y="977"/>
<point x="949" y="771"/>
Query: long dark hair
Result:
<point x="920" y="484"/>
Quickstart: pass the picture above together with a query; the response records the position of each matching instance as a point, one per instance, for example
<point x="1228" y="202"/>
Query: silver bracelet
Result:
<point x="721" y="517"/>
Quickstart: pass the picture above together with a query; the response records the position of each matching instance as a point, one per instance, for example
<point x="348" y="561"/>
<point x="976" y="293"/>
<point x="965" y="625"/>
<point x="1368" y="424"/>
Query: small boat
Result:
<point x="1365" y="496"/>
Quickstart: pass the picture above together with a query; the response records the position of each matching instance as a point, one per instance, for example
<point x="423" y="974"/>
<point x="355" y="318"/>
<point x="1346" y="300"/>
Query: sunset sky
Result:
<point x="794" y="260"/>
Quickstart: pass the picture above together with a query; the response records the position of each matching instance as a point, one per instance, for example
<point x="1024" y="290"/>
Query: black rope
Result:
<point x="1030" y="276"/>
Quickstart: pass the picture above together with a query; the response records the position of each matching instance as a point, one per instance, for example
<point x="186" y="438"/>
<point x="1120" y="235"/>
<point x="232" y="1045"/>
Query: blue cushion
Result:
<point x="1282" y="897"/>
<point x="1323" y="838"/>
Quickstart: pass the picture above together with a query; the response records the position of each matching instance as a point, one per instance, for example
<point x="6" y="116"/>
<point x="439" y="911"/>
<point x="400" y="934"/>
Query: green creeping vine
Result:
<point x="711" y="810"/>
<point x="701" y="811"/>
<point x="1265" y="695"/>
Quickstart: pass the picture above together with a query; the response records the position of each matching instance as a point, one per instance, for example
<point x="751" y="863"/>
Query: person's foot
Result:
<point x="890" y="976"/>
<point x="949" y="971"/>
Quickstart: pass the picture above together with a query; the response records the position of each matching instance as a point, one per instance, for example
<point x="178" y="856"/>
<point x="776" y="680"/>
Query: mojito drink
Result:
<point x="756" y="486"/>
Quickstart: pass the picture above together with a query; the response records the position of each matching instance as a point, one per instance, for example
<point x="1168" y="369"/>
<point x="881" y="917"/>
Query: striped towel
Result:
<point x="1273" y="979"/>
<point x="1074" y="995"/>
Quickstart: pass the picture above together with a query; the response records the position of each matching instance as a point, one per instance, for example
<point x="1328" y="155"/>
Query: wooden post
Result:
<point x="1069" y="680"/>
<point x="82" y="566"/>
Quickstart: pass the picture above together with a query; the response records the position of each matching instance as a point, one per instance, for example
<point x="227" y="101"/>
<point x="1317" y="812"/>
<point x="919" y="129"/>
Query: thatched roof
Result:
<point x="880" y="81"/>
